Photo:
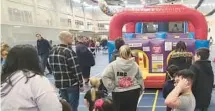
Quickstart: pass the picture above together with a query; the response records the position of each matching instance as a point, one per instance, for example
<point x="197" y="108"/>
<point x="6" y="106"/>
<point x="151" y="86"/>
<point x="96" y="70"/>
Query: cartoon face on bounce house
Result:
<point x="153" y="50"/>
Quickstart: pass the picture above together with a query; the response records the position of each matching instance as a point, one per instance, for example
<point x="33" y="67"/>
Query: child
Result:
<point x="93" y="94"/>
<point x="181" y="97"/>
<point x="169" y="85"/>
<point x="202" y="87"/>
<point x="103" y="105"/>
<point x="170" y="71"/>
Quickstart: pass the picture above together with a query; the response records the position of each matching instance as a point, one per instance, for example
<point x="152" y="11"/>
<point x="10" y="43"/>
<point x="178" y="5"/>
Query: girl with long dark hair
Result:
<point x="23" y="85"/>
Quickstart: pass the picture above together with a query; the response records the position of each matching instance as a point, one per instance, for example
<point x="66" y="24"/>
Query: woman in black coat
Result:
<point x="180" y="57"/>
<point x="85" y="56"/>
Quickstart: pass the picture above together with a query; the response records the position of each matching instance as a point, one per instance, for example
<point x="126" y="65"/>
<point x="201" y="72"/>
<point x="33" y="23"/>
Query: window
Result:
<point x="150" y="27"/>
<point x="65" y="22"/>
<point x="176" y="27"/>
<point x="21" y="16"/>
<point x="78" y="22"/>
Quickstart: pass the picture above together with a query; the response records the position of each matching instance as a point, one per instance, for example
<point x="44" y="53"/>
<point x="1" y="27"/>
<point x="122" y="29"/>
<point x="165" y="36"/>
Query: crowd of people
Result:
<point x="24" y="87"/>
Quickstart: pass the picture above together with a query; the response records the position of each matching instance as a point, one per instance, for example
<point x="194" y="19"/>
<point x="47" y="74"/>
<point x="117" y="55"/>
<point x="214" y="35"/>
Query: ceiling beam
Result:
<point x="199" y="4"/>
<point x="210" y="13"/>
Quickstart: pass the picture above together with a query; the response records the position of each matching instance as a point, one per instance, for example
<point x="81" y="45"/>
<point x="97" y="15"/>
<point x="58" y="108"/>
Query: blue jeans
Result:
<point x="71" y="95"/>
<point x="44" y="60"/>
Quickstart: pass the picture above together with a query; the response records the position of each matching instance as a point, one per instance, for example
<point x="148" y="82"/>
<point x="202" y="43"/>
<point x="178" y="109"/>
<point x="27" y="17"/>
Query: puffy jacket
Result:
<point x="181" y="59"/>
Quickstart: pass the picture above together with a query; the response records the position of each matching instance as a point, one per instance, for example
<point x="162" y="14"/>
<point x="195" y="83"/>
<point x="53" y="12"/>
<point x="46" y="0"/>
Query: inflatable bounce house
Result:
<point x="154" y="49"/>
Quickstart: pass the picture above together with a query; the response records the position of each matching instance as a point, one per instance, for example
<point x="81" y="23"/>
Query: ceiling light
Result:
<point x="84" y="3"/>
<point x="125" y="2"/>
<point x="161" y="1"/>
<point x="143" y="2"/>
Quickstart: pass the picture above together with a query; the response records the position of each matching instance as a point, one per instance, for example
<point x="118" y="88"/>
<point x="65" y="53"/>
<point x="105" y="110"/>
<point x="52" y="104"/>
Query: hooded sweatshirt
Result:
<point x="122" y="75"/>
<point x="36" y="94"/>
<point x="203" y="84"/>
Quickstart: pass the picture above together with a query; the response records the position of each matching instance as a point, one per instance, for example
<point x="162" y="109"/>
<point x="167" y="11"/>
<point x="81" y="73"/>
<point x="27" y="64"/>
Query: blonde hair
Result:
<point x="4" y="50"/>
<point x="64" y="34"/>
<point x="95" y="83"/>
<point x="125" y="52"/>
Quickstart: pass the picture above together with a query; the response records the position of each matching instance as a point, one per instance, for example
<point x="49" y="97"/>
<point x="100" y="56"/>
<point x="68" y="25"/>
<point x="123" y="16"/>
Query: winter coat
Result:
<point x="181" y="59"/>
<point x="85" y="56"/>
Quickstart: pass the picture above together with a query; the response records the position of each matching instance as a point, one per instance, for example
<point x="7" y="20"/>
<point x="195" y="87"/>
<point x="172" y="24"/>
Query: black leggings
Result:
<point x="126" y="101"/>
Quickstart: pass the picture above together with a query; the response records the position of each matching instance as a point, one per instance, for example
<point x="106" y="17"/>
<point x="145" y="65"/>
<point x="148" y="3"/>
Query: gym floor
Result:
<point x="150" y="100"/>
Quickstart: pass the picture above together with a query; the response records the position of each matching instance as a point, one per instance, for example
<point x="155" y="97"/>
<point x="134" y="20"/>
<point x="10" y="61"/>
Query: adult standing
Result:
<point x="65" y="67"/>
<point x="43" y="48"/>
<point x="123" y="78"/>
<point x="118" y="43"/>
<point x="85" y="56"/>
<point x="23" y="85"/>
<point x="180" y="57"/>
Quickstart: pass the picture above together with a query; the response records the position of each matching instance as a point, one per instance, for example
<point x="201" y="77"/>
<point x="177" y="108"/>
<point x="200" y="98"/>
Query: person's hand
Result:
<point x="183" y="84"/>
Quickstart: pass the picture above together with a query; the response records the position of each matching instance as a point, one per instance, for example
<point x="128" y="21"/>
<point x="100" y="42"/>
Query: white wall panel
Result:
<point x="18" y="1"/>
<point x="26" y="35"/>
<point x="64" y="6"/>
<point x="16" y="13"/>
<point x="78" y="11"/>
<point x="45" y="3"/>
<point x="100" y="16"/>
<point x="65" y="21"/>
<point x="30" y="2"/>
<point x="46" y="17"/>
<point x="88" y="12"/>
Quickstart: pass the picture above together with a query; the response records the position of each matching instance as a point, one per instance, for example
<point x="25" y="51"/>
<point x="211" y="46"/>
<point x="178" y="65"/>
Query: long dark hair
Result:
<point x="181" y="47"/>
<point x="21" y="58"/>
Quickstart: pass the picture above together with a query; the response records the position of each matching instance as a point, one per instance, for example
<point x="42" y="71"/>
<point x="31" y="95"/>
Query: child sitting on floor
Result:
<point x="93" y="94"/>
<point x="169" y="85"/>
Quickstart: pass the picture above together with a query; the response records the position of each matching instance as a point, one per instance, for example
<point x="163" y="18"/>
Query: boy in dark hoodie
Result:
<point x="203" y="85"/>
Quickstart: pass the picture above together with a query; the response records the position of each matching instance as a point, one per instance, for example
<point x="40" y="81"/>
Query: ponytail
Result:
<point x="95" y="83"/>
<point x="93" y="93"/>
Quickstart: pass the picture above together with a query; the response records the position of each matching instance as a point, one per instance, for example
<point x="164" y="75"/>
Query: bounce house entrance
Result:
<point x="143" y="61"/>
